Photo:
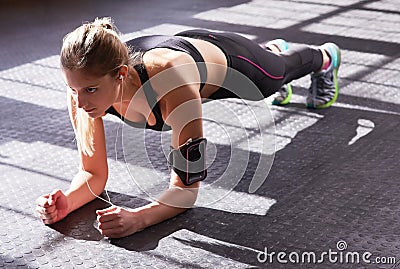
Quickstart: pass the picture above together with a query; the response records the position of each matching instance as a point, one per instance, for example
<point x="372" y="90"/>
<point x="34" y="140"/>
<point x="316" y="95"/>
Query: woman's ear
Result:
<point x="123" y="72"/>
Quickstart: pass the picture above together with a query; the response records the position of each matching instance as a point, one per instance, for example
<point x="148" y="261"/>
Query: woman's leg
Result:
<point x="301" y="61"/>
<point x="284" y="94"/>
<point x="324" y="89"/>
<point x="266" y="69"/>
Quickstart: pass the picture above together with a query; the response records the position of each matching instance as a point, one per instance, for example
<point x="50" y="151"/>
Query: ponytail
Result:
<point x="84" y="132"/>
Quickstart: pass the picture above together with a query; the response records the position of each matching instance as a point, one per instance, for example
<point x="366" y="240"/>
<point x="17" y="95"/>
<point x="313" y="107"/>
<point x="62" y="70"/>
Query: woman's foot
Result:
<point x="324" y="88"/>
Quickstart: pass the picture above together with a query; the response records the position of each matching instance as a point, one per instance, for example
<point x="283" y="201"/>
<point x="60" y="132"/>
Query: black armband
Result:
<point x="189" y="161"/>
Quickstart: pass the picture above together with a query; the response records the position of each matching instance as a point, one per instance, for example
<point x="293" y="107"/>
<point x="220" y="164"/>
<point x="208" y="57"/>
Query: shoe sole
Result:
<point x="336" y="62"/>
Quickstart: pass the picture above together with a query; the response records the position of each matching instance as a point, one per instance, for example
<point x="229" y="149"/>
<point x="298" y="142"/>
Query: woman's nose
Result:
<point x="80" y="101"/>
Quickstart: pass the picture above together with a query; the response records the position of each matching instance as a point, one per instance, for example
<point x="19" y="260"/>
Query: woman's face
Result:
<point x="93" y="94"/>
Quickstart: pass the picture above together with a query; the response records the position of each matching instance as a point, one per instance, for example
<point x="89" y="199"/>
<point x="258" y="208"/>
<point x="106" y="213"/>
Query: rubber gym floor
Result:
<point x="309" y="189"/>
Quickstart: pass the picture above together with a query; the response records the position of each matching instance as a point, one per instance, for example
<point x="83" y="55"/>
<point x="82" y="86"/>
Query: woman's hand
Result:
<point x="116" y="222"/>
<point x="52" y="207"/>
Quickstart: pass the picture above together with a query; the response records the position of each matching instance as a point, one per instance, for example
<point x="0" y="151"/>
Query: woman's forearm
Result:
<point x="82" y="189"/>
<point x="171" y="203"/>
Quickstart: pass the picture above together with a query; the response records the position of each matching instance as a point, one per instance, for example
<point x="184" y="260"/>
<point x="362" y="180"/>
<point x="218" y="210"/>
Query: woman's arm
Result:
<point x="85" y="187"/>
<point x="91" y="177"/>
<point x="119" y="222"/>
<point x="172" y="202"/>
<point x="182" y="110"/>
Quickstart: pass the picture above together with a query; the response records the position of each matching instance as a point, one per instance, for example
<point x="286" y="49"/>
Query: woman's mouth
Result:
<point x="89" y="110"/>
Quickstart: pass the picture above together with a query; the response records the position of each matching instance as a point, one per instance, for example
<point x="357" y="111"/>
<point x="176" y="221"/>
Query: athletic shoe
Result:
<point x="324" y="88"/>
<point x="284" y="94"/>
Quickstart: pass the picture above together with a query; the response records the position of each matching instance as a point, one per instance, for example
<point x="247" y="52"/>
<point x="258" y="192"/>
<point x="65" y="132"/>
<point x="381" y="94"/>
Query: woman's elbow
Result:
<point x="179" y="197"/>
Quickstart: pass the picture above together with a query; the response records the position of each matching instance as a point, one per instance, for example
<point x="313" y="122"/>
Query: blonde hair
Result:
<point x="96" y="48"/>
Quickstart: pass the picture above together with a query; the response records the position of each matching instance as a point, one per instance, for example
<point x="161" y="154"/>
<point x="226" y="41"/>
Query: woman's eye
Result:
<point x="91" y="90"/>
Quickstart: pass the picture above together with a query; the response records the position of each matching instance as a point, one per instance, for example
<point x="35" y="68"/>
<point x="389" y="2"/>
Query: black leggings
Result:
<point x="267" y="70"/>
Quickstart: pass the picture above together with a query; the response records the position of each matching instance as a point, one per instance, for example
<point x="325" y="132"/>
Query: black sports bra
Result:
<point x="146" y="43"/>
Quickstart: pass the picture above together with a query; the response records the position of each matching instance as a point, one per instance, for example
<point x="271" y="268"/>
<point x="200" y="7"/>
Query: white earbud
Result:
<point x="121" y="76"/>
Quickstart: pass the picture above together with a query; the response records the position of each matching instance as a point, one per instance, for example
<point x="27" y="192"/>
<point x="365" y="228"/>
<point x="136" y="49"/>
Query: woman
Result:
<point x="161" y="86"/>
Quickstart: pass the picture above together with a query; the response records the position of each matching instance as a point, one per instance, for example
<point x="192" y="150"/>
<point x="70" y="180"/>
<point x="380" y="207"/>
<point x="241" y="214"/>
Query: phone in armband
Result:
<point x="189" y="161"/>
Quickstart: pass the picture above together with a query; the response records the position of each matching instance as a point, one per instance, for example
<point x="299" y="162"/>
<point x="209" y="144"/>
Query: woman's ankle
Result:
<point x="326" y="60"/>
<point x="272" y="47"/>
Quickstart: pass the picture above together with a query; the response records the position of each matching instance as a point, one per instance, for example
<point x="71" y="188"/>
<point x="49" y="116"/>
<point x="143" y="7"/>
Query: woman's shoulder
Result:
<point x="166" y="58"/>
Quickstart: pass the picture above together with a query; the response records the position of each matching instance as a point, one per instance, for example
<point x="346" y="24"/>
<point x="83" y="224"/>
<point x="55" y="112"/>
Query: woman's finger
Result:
<point x="106" y="210"/>
<point x="49" y="216"/>
<point x="43" y="200"/>
<point x="112" y="233"/>
<point x="109" y="216"/>
<point x="50" y="209"/>
<point x="45" y="210"/>
<point x="108" y="225"/>
<point x="54" y="195"/>
<point x="40" y="209"/>
<point x="48" y="221"/>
